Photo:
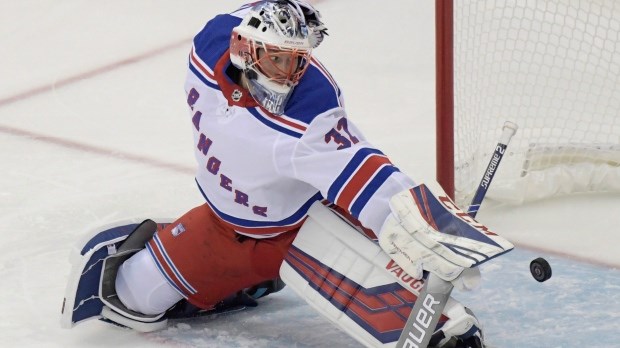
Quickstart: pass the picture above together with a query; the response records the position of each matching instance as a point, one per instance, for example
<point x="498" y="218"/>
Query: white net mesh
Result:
<point x="551" y="67"/>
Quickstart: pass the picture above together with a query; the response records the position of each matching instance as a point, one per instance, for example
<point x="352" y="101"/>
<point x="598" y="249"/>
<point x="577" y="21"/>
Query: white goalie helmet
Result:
<point x="272" y="46"/>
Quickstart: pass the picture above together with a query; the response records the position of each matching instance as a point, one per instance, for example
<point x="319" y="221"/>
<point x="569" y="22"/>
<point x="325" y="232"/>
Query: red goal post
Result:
<point x="550" y="66"/>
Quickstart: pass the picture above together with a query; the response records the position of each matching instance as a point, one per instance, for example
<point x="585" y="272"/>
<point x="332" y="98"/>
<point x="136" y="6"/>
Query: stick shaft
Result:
<point x="508" y="131"/>
<point x="426" y="313"/>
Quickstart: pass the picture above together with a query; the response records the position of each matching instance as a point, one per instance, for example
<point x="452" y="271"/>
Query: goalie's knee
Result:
<point x="141" y="287"/>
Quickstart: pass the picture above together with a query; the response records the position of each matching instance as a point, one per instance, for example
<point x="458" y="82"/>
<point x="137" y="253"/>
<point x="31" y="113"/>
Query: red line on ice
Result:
<point x="74" y="145"/>
<point x="94" y="72"/>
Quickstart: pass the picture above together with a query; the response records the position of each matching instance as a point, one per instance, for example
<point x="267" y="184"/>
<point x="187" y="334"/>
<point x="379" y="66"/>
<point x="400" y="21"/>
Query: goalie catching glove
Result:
<point x="426" y="231"/>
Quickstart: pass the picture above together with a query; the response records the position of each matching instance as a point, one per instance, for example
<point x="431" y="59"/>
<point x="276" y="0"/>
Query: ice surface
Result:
<point x="93" y="129"/>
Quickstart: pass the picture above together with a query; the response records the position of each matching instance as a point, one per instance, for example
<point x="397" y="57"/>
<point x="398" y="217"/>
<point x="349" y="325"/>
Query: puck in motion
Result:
<point x="540" y="269"/>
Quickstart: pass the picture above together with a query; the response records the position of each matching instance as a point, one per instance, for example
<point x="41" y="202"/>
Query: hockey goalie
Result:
<point x="293" y="193"/>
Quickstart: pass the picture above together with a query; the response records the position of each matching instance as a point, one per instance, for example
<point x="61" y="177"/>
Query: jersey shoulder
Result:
<point x="316" y="93"/>
<point x="214" y="39"/>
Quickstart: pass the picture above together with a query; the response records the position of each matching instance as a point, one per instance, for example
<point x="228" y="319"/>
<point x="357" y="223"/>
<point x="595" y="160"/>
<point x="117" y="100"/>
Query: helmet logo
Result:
<point x="236" y="95"/>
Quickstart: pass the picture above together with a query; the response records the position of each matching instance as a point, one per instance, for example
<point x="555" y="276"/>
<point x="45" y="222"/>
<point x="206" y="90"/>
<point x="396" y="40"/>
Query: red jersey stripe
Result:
<point x="364" y="173"/>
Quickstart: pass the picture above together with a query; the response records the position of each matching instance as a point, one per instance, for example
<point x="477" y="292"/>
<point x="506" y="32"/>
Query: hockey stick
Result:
<point x="508" y="130"/>
<point x="432" y="300"/>
<point x="425" y="314"/>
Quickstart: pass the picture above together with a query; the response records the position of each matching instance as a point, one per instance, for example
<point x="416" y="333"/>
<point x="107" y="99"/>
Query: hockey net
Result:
<point x="553" y="68"/>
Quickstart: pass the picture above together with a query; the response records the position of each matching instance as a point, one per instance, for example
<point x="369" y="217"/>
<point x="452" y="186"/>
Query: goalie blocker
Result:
<point x="355" y="284"/>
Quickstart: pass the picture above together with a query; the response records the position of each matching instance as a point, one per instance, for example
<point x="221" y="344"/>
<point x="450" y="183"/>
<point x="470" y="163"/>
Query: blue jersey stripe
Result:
<point x="202" y="78"/>
<point x="291" y="220"/>
<point x="273" y="125"/>
<point x="371" y="188"/>
<point x="348" y="171"/>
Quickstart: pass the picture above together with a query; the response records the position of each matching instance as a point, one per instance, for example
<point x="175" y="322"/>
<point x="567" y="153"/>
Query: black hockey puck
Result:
<point x="540" y="269"/>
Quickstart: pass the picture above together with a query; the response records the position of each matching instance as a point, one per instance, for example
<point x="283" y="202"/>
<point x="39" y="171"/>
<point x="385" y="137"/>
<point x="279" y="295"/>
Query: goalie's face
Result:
<point x="281" y="66"/>
<point x="271" y="46"/>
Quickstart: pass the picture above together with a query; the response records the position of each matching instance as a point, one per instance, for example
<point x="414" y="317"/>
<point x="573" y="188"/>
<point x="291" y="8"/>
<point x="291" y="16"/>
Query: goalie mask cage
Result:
<point x="551" y="67"/>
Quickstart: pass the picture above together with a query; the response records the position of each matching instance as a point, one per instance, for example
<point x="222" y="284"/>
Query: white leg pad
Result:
<point x="350" y="280"/>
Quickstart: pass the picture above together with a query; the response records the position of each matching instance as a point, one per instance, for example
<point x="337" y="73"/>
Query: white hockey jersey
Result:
<point x="260" y="172"/>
